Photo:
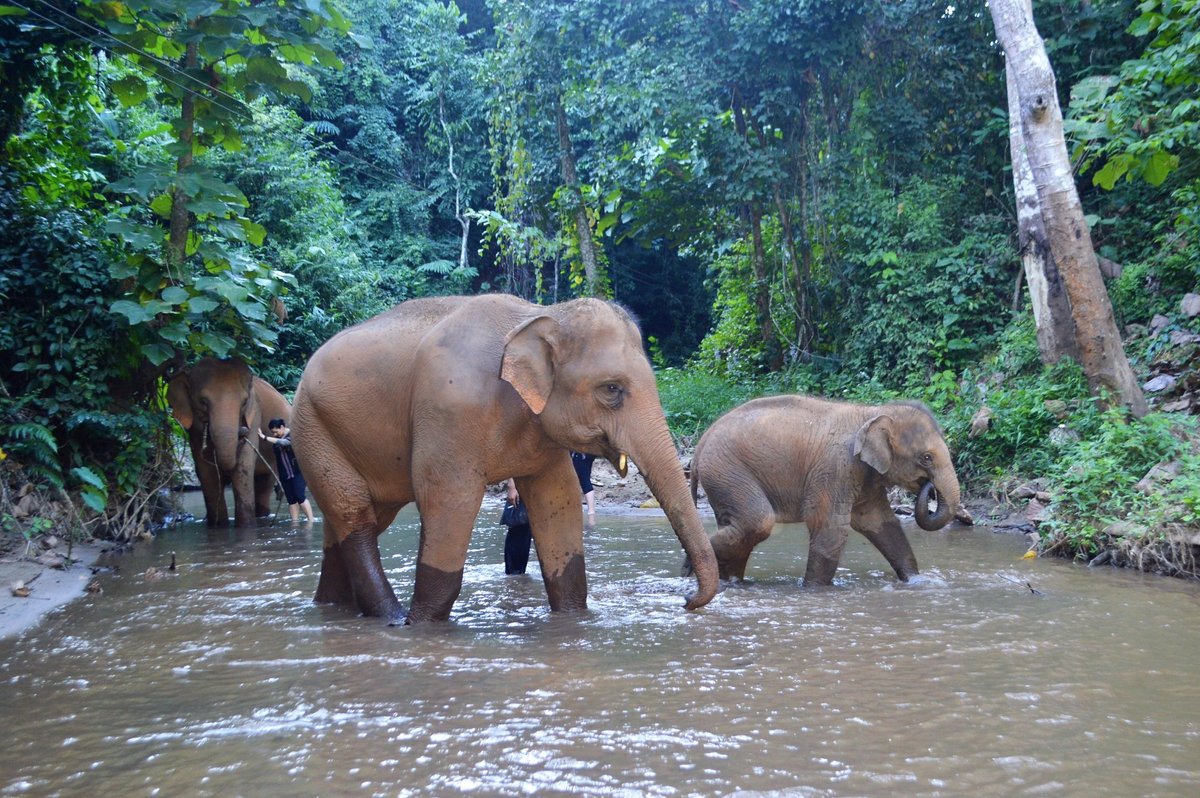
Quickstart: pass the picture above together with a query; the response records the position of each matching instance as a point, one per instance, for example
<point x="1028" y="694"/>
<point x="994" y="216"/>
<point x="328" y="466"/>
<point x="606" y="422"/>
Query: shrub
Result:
<point x="1095" y="479"/>
<point x="692" y="400"/>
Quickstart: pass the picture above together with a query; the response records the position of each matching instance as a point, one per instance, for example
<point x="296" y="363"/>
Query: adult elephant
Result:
<point x="222" y="405"/>
<point x="786" y="459"/>
<point x="436" y="398"/>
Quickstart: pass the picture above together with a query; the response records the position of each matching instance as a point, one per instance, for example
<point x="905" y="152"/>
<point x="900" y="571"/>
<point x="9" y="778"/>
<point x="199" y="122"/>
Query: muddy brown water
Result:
<point x="227" y="680"/>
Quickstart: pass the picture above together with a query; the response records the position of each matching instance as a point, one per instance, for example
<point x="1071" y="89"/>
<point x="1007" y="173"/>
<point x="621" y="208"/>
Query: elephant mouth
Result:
<point x="619" y="462"/>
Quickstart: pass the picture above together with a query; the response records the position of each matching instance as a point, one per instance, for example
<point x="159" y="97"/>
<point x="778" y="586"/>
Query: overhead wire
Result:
<point x="242" y="108"/>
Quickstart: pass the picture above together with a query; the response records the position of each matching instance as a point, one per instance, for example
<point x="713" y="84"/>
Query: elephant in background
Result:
<point x="437" y="398"/>
<point x="222" y="405"/>
<point x="786" y="459"/>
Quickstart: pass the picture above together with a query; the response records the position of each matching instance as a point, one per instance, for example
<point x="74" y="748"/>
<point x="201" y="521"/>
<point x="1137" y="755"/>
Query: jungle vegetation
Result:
<point x="792" y="196"/>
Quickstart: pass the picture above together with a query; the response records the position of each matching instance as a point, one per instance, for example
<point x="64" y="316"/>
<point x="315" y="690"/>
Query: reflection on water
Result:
<point x="226" y="679"/>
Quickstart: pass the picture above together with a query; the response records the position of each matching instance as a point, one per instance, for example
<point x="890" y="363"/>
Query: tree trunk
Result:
<point x="762" y="289"/>
<point x="463" y="221"/>
<point x="583" y="229"/>
<point x="177" y="240"/>
<point x="758" y="258"/>
<point x="1051" y="308"/>
<point x="1067" y="234"/>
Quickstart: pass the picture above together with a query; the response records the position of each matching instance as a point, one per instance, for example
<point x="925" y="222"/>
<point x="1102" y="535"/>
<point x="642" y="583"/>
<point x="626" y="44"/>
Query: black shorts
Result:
<point x="583" y="470"/>
<point x="294" y="489"/>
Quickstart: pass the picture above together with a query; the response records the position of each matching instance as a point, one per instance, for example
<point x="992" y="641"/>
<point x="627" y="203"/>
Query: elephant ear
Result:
<point x="528" y="364"/>
<point x="250" y="414"/>
<point x="873" y="443"/>
<point x="179" y="397"/>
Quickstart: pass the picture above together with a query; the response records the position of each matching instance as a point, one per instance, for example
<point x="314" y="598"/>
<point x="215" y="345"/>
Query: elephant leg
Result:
<point x="216" y="513"/>
<point x="243" y="485"/>
<point x="264" y="489"/>
<point x="359" y="553"/>
<point x="448" y="506"/>
<point x="744" y="520"/>
<point x="876" y="522"/>
<point x="334" y="586"/>
<point x="828" y="527"/>
<point x="351" y="571"/>
<point x="556" y="518"/>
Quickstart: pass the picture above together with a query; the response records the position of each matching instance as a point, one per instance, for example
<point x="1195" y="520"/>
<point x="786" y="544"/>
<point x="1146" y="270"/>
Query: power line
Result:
<point x="375" y="169"/>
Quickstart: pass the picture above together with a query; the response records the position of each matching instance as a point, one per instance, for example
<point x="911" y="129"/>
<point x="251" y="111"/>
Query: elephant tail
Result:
<point x="694" y="479"/>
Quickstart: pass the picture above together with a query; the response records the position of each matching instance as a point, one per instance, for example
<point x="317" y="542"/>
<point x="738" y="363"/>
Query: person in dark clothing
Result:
<point x="518" y="540"/>
<point x="289" y="475"/>
<point x="583" y="470"/>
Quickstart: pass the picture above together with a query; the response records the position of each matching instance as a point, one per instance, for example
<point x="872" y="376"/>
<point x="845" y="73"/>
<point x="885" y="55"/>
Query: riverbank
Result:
<point x="30" y="590"/>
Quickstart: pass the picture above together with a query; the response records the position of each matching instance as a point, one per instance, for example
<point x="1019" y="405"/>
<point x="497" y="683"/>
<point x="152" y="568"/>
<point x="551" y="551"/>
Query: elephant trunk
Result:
<point x="659" y="464"/>
<point x="226" y="441"/>
<point x="946" y="491"/>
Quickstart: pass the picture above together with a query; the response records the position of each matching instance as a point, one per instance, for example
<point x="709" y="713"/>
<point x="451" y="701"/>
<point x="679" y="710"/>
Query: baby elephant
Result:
<point x="829" y="464"/>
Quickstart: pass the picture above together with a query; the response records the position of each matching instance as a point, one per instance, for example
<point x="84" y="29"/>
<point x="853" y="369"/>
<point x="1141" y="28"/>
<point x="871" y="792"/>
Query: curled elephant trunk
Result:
<point x="940" y="517"/>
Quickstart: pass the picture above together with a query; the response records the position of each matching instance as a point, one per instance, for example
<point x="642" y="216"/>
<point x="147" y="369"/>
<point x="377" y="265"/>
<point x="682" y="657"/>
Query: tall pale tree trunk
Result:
<point x="583" y="228"/>
<point x="1067" y="234"/>
<point x="1051" y="308"/>
<point x="463" y="220"/>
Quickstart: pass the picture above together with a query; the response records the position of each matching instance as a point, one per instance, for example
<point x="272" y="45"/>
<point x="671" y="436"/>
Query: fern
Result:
<point x="324" y="128"/>
<point x="442" y="267"/>
<point x="27" y="434"/>
<point x="34" y="447"/>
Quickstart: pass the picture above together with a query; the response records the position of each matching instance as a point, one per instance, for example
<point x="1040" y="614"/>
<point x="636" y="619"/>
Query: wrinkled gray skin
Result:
<point x="222" y="405"/>
<point x="790" y="459"/>
<point x="437" y="398"/>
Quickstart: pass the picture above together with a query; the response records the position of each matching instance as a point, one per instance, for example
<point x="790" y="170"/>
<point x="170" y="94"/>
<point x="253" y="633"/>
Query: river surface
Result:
<point x="225" y="679"/>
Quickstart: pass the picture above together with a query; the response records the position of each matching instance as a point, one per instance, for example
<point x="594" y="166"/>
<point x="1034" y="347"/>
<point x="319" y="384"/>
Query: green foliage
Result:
<point x="1148" y="124"/>
<point x="1155" y="285"/>
<point x="92" y="488"/>
<point x="193" y="285"/>
<point x="34" y="447"/>
<point x="1095" y="479"/>
<point x="693" y="400"/>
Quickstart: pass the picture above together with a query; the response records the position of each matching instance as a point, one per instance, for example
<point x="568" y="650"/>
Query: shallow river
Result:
<point x="227" y="680"/>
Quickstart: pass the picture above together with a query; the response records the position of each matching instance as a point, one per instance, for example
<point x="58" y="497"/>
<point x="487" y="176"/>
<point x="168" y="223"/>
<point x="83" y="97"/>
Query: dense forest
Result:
<point x="809" y="196"/>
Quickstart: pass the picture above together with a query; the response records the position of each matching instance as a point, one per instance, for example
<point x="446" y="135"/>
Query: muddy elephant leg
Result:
<point x="359" y="553"/>
<point x="743" y="521"/>
<point x="877" y="523"/>
<point x="447" y="517"/>
<point x="556" y="519"/>
<point x="351" y="571"/>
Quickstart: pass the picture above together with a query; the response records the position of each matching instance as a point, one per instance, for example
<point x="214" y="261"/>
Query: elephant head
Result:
<point x="217" y="398"/>
<point x="582" y="370"/>
<point x="905" y="445"/>
<point x="222" y="404"/>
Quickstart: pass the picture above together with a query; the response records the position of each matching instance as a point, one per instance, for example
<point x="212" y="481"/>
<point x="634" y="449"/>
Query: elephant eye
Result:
<point x="927" y="458"/>
<point x="612" y="394"/>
